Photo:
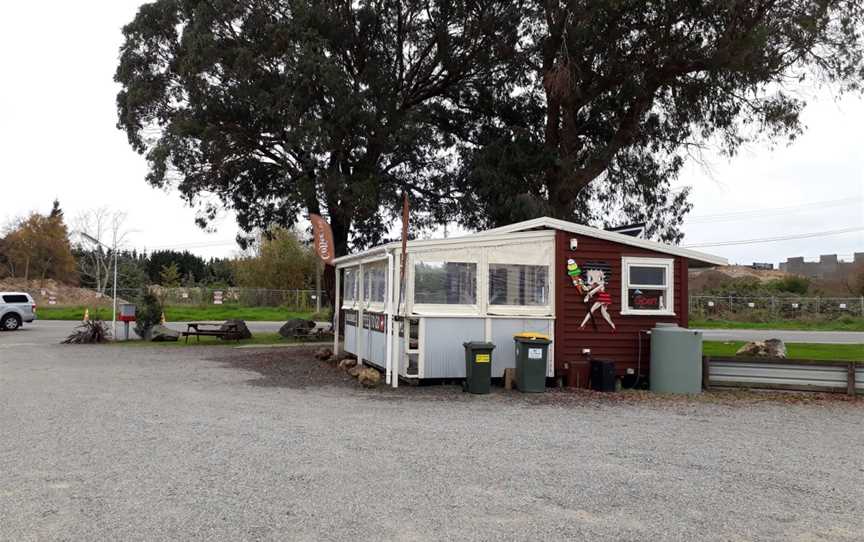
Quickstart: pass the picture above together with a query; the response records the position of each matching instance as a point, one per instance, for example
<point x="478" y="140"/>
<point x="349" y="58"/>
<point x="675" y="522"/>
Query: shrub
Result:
<point x="148" y="313"/>
<point x="89" y="332"/>
<point x="792" y="284"/>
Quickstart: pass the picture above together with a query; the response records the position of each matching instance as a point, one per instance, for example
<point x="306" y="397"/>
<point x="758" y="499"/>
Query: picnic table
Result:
<point x="223" y="330"/>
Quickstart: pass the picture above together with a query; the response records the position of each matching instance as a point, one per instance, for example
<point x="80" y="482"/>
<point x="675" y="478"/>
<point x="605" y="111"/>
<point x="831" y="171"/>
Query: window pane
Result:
<point x="445" y="283"/>
<point x="648" y="275"/>
<point x="518" y="284"/>
<point x="375" y="282"/>
<point x="350" y="287"/>
<point x="648" y="300"/>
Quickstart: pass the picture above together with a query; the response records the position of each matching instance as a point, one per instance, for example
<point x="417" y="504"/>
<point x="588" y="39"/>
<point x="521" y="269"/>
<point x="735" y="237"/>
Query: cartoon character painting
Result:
<point x="595" y="284"/>
<point x="575" y="275"/>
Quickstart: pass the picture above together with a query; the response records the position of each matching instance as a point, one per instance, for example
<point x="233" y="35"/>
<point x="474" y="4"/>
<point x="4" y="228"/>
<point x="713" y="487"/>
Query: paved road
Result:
<point x="147" y="443"/>
<point x="60" y="329"/>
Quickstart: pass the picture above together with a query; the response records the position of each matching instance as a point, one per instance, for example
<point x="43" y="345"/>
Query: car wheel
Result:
<point x="11" y="322"/>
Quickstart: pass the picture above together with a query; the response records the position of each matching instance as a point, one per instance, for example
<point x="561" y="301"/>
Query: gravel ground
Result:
<point x="213" y="443"/>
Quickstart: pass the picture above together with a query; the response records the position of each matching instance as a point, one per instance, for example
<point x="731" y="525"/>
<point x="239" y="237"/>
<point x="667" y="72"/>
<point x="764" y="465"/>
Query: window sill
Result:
<point x="632" y="312"/>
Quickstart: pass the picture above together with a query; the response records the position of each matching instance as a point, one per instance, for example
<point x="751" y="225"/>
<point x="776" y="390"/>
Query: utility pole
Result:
<point x="114" y="313"/>
<point x="98" y="242"/>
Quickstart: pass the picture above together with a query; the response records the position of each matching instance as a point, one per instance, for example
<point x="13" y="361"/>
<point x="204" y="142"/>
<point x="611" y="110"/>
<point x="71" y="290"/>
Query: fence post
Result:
<point x="850" y="378"/>
<point x="862" y="305"/>
<point x="773" y="305"/>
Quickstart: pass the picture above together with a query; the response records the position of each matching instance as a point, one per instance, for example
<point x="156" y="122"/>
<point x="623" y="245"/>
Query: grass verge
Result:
<point x="825" y="352"/>
<point x="183" y="314"/>
<point x="846" y="323"/>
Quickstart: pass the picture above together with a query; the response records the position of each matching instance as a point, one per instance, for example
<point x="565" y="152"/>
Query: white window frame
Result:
<point x="527" y="310"/>
<point x="351" y="303"/>
<point x="665" y="263"/>
<point x="426" y="309"/>
<point x="368" y="304"/>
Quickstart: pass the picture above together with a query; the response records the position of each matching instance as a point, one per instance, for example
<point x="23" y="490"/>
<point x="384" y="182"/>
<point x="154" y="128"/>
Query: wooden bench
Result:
<point x="211" y="329"/>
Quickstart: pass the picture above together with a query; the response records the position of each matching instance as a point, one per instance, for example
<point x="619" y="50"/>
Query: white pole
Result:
<point x="114" y="315"/>
<point x="388" y="334"/>
<point x="337" y="308"/>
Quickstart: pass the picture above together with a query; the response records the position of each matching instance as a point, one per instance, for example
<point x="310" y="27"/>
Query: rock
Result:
<point x="355" y="370"/>
<point x="775" y="348"/>
<point x="772" y="348"/>
<point x="323" y="354"/>
<point x="162" y="334"/>
<point x="369" y="377"/>
<point x="347" y="363"/>
<point x="295" y="326"/>
<point x="242" y="330"/>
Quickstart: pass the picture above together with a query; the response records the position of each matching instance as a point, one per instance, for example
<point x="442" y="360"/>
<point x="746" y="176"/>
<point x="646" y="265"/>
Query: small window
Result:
<point x="523" y="285"/>
<point x="349" y="290"/>
<point x="16" y="299"/>
<point x="445" y="283"/>
<point x="647" y="286"/>
<point x="375" y="282"/>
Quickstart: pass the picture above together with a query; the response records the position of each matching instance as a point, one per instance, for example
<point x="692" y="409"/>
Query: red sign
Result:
<point x="323" y="239"/>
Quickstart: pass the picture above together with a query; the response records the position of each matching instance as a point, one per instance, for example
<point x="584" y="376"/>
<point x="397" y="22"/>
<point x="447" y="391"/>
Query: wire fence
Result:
<point x="295" y="300"/>
<point x="704" y="306"/>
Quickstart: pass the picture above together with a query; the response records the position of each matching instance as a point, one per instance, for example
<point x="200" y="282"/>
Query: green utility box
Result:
<point x="532" y="354"/>
<point x="478" y="366"/>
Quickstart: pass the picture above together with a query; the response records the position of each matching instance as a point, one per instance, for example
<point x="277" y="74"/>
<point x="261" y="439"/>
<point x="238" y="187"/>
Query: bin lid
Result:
<point x="531" y="335"/>
<point x="479" y="345"/>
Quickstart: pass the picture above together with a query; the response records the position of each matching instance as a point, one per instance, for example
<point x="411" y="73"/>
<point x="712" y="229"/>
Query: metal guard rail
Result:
<point x="783" y="374"/>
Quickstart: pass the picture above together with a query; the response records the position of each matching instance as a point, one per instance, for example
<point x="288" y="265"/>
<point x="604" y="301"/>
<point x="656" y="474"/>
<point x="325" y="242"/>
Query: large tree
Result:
<point x="616" y="95"/>
<point x="280" y="108"/>
<point x="38" y="247"/>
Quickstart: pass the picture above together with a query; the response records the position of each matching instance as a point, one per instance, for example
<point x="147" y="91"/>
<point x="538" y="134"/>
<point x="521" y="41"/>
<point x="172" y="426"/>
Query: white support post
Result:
<point x="337" y="309"/>
<point x="388" y="334"/>
<point x="360" y="315"/>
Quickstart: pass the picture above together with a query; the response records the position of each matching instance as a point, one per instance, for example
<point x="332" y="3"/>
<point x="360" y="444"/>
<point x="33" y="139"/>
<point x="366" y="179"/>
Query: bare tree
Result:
<point x="108" y="229"/>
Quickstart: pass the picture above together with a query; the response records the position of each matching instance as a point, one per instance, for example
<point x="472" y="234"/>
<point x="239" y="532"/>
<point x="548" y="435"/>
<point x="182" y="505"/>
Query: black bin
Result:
<point x="478" y="366"/>
<point x="602" y="375"/>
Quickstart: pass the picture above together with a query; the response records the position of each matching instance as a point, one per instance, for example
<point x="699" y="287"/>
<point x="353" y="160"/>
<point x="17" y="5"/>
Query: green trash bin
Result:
<point x="478" y="366"/>
<point x="532" y="354"/>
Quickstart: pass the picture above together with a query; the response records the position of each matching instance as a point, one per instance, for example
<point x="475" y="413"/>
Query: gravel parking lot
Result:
<point x="214" y="443"/>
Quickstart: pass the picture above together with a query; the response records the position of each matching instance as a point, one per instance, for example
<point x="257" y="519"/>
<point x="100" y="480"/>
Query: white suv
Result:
<point x="15" y="309"/>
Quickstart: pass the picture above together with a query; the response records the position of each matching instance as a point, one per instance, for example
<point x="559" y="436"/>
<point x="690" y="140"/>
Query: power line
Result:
<point x="737" y="215"/>
<point x="775" y="239"/>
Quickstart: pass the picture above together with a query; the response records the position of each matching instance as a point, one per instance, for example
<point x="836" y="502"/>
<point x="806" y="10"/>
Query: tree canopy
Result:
<point x="38" y="247"/>
<point x="277" y="109"/>
<point x="278" y="260"/>
<point x="485" y="111"/>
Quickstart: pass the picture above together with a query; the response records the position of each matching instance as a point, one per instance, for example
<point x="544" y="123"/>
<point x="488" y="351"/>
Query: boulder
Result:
<point x="369" y="377"/>
<point x="162" y="334"/>
<point x="355" y="371"/>
<point x="292" y="327"/>
<point x="242" y="329"/>
<point x="772" y="348"/>
<point x="323" y="354"/>
<point x="347" y="363"/>
<point x="775" y="348"/>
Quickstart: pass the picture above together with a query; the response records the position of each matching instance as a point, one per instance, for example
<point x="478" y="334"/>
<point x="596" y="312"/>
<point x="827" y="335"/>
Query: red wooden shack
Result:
<point x="596" y="293"/>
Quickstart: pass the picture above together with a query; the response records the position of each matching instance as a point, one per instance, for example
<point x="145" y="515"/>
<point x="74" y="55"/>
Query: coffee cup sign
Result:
<point x="323" y="239"/>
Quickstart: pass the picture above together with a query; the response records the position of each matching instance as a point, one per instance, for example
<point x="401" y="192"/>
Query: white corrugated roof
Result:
<point x="556" y="224"/>
<point x="588" y="231"/>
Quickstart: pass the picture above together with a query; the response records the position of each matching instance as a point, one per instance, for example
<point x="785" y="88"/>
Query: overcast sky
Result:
<point x="58" y="139"/>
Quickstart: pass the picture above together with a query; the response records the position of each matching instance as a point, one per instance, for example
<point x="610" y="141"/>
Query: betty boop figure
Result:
<point x="595" y="283"/>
